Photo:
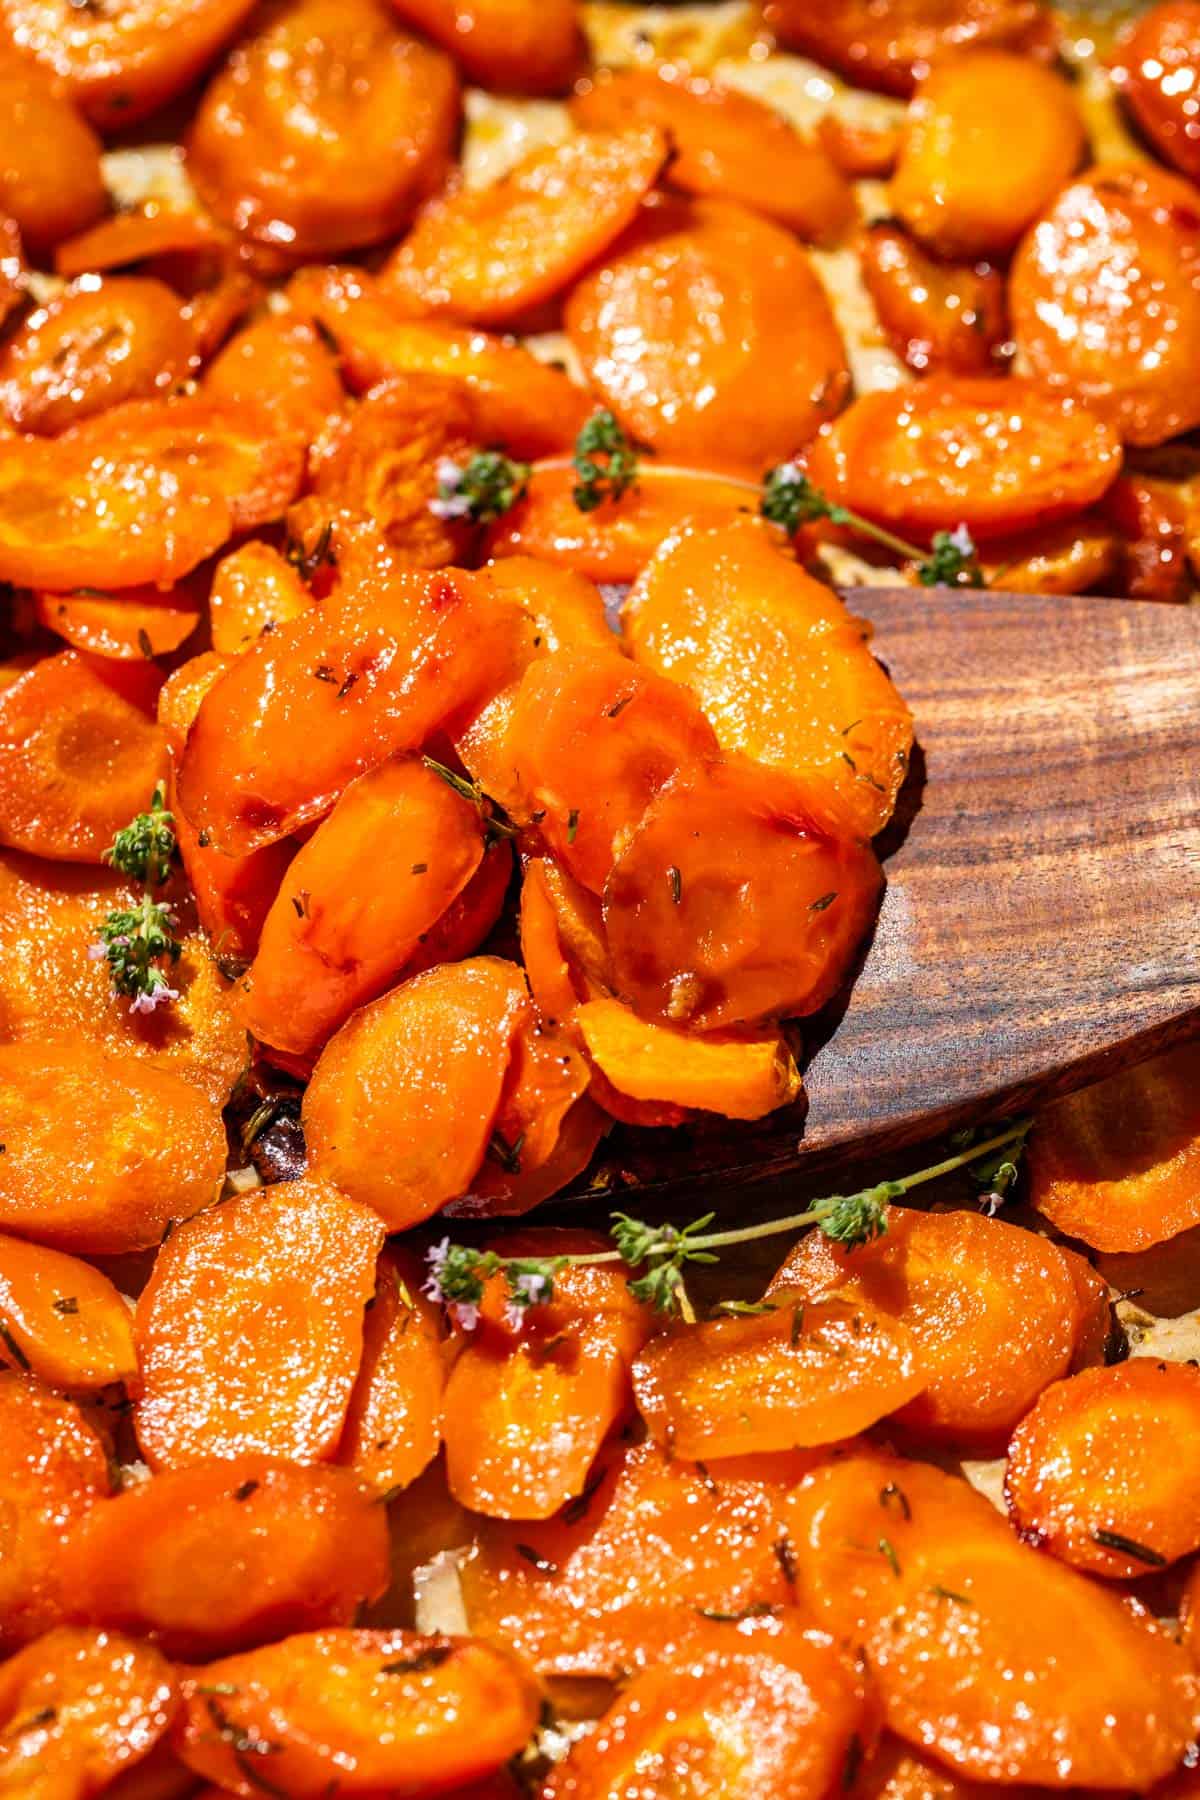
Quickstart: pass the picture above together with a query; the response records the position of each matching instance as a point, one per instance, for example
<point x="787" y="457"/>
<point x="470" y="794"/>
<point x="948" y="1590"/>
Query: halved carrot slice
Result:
<point x="171" y="237"/>
<point x="468" y="920"/>
<point x="62" y="1318"/>
<point x="545" y="1081"/>
<point x="227" y="1554"/>
<point x="125" y="627"/>
<point x="329" y="944"/>
<point x="1102" y="1471"/>
<point x="204" y="1392"/>
<point x="992" y="1306"/>
<point x="394" y="1421"/>
<point x="404" y="1097"/>
<point x="739" y="1077"/>
<point x="1093" y="1299"/>
<point x="549" y="973"/>
<point x="281" y="366"/>
<point x="517" y="46"/>
<point x="375" y="1711"/>
<point x="79" y="755"/>
<point x="726" y="143"/>
<point x="1118" y="1164"/>
<point x="487" y="255"/>
<point x="254" y="589"/>
<point x="950" y="318"/>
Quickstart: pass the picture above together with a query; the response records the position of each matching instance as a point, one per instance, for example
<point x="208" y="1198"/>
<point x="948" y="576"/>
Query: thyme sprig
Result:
<point x="790" y="499"/>
<point x="658" y="1255"/>
<point x="606" y="462"/>
<point x="482" y="489"/>
<point x="145" y="848"/>
<point x="135" y="942"/>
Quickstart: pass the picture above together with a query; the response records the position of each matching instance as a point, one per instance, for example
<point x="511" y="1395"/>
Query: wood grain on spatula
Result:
<point x="1041" y="924"/>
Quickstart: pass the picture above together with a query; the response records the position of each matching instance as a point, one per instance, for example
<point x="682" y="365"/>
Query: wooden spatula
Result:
<point x="1041" y="924"/>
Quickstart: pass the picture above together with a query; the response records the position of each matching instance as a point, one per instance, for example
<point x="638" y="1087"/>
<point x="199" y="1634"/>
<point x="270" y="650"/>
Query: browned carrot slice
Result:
<point x="950" y="317"/>
<point x="175" y="238"/>
<point x="62" y="1318"/>
<point x="545" y="1082"/>
<point x="518" y="46"/>
<point x="122" y="627"/>
<point x="394" y="1422"/>
<point x="739" y="1077"/>
<point x="253" y="590"/>
<point x="203" y="1391"/>
<point x="278" y="365"/>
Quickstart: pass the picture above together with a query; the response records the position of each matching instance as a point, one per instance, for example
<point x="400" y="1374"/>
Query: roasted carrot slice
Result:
<point x="949" y="318"/>
<point x="372" y="1710"/>
<point x="726" y="143"/>
<point x="920" y="1570"/>
<point x="782" y="670"/>
<point x="324" y="131"/>
<point x="525" y="404"/>
<point x="691" y="1714"/>
<point x="254" y="590"/>
<point x="328" y="944"/>
<point x="279" y="365"/>
<point x="1074" y="556"/>
<point x="172" y="240"/>
<point x="62" y="1318"/>
<point x="498" y="1191"/>
<point x="78" y="756"/>
<point x="124" y="627"/>
<point x="1153" y="63"/>
<point x="468" y="920"/>
<point x="55" y="1469"/>
<point x="894" y="1770"/>
<point x="593" y="740"/>
<point x="1093" y="1301"/>
<point x="487" y="255"/>
<point x="79" y="1707"/>
<point x="552" y="981"/>
<point x="14" y="276"/>
<point x="1100" y="1471"/>
<point x="435" y="1052"/>
<point x="740" y="1077"/>
<point x="518" y="46"/>
<point x="1116" y="1164"/>
<point x="228" y="1554"/>
<point x="202" y="1393"/>
<point x="991" y="137"/>
<point x="51" y="183"/>
<point x="530" y="1401"/>
<point x="992" y="1307"/>
<point x="703" y="386"/>
<point x="888" y="44"/>
<point x="372" y="672"/>
<point x="180" y="695"/>
<point x="615" y="540"/>
<point x="1105" y="298"/>
<point x="1152" y="518"/>
<point x="997" y="456"/>
<point x="578" y="1594"/>
<point x="545" y="1081"/>
<point x="859" y="147"/>
<point x="394" y="1422"/>
<point x="232" y="894"/>
<point x="215" y="310"/>
<point x="692" y="906"/>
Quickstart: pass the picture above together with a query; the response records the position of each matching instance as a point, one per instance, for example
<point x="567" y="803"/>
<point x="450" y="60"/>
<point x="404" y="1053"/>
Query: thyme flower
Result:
<point x="483" y="489"/>
<point x="606" y="462"/>
<point x="790" y="499"/>
<point x="135" y="944"/>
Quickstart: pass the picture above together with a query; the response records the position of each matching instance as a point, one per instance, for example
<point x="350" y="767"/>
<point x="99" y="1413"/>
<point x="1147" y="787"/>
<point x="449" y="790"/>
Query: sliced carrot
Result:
<point x="227" y="1554"/>
<point x="180" y="695"/>
<point x="525" y="404"/>
<point x="702" y="385"/>
<point x="1093" y="1301"/>
<point x="233" y="895"/>
<point x="994" y="455"/>
<point x="1116" y="1164"/>
<point x="499" y="1192"/>
<point x="593" y="740"/>
<point x="545" y="1081"/>
<point x="404" y="1096"/>
<point x="974" y="1639"/>
<point x="615" y="540"/>
<point x="329" y="944"/>
<point x="1153" y="520"/>
<point x="79" y="1707"/>
<point x="203" y="1392"/>
<point x="782" y="670"/>
<point x="735" y="900"/>
<point x="100" y="1152"/>
<point x="55" y="1469"/>
<point x="488" y="255"/>
<point x="124" y="337"/>
<point x="895" y="1770"/>
<point x="949" y="318"/>
<point x="324" y="130"/>
<point x="692" y="1714"/>
<point x="78" y="756"/>
<point x="992" y="1307"/>
<point x="167" y="238"/>
<point x="579" y="1595"/>
<point x="549" y="973"/>
<point x="122" y="627"/>
<point x="1153" y="62"/>
<point x="62" y="1318"/>
<point x="52" y="183"/>
<point x="394" y="1421"/>
<point x="738" y="1077"/>
<point x="529" y="1402"/>
<point x="1074" y="556"/>
<point x="518" y="46"/>
<point x="279" y="365"/>
<point x="726" y="143"/>
<point x="158" y="1776"/>
<point x="372" y="672"/>
<point x="860" y="148"/>
<point x="468" y="920"/>
<point x="1100" y="1471"/>
<point x="254" y="589"/>
<point x="889" y="44"/>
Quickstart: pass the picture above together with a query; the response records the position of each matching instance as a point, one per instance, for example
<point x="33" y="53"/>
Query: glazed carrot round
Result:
<point x="567" y="609"/>
<point x="1115" y="1164"/>
<point x="703" y="386"/>
<point x="281" y="366"/>
<point x="551" y="980"/>
<point x="1099" y="1472"/>
<point x="1152" y="518"/>
<point x="780" y="667"/>
<point x="993" y="455"/>
<point x="373" y="1710"/>
<point x="799" y="1373"/>
<point x="889" y="44"/>
<point x="941" y="318"/>
<point x="180" y="695"/>
<point x="1156" y="63"/>
<point x="128" y="627"/>
<point x="394" y="1420"/>
<point x="153" y="237"/>
<point x="232" y="894"/>
<point x="329" y="944"/>
<point x="202" y="1393"/>
<point x="51" y="183"/>
<point x="992" y="1307"/>
<point x="62" y="1318"/>
<point x="726" y="143"/>
<point x="1105" y="298"/>
<point x="55" y="1469"/>
<point x="434" y="1051"/>
<point x="692" y="907"/>
<point x="860" y="147"/>
<point x="488" y="255"/>
<point x="228" y="1554"/>
<point x="468" y="920"/>
<point x="254" y="589"/>
<point x="1074" y="556"/>
<point x="78" y="757"/>
<point x="215" y="310"/>
<point x="1094" y="1304"/>
<point x="518" y="46"/>
<point x="324" y="131"/>
<point x="740" y="1077"/>
<point x="527" y="1159"/>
